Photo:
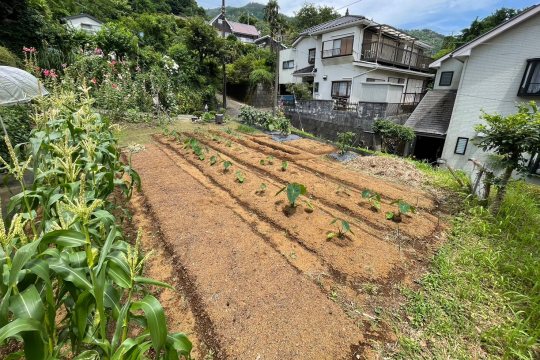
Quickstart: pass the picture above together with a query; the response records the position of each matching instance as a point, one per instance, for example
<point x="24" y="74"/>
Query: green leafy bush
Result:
<point x="17" y="122"/>
<point x="393" y="135"/>
<point x="7" y="58"/>
<point x="253" y="117"/>
<point x="345" y="140"/>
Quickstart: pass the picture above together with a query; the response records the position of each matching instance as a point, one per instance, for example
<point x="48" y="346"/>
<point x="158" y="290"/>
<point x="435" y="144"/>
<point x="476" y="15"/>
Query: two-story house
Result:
<point x="83" y="22"/>
<point x="353" y="59"/>
<point x="492" y="74"/>
<point x="243" y="32"/>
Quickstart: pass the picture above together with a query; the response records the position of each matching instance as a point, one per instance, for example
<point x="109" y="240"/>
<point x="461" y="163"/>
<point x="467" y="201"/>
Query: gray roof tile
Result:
<point x="433" y="113"/>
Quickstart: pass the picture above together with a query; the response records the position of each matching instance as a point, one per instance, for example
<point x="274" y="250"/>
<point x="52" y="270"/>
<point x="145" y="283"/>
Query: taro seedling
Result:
<point x="284" y="165"/>
<point x="226" y="165"/>
<point x="262" y="189"/>
<point x="262" y="162"/>
<point x="294" y="190"/>
<point x="373" y="198"/>
<point x="403" y="208"/>
<point x="240" y="177"/>
<point x="213" y="160"/>
<point x="343" y="229"/>
<point x="270" y="160"/>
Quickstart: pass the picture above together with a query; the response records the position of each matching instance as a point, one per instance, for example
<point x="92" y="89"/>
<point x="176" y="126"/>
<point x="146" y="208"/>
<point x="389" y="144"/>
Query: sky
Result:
<point x="444" y="16"/>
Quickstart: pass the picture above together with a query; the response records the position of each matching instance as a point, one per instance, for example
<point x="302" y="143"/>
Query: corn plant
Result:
<point x="72" y="286"/>
<point x="403" y="208"/>
<point x="373" y="198"/>
<point x="294" y="190"/>
<point x="342" y="229"/>
<point x="240" y="177"/>
<point x="284" y="165"/>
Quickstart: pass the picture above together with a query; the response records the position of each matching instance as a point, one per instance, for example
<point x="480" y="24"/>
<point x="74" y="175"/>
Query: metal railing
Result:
<point x="378" y="51"/>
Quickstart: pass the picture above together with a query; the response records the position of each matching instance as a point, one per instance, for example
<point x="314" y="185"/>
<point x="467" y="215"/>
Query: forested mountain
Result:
<point x="428" y="36"/>
<point x="234" y="13"/>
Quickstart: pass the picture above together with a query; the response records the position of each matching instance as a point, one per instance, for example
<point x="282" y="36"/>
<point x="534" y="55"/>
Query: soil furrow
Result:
<point x="421" y="225"/>
<point x="328" y="170"/>
<point x="260" y="306"/>
<point x="360" y="255"/>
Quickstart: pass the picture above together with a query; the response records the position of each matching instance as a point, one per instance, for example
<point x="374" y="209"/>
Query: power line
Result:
<point x="343" y="7"/>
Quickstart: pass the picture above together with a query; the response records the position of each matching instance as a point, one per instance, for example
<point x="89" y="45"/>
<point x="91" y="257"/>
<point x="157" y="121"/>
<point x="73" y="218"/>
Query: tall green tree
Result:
<point x="511" y="138"/>
<point x="310" y="15"/>
<point x="271" y="16"/>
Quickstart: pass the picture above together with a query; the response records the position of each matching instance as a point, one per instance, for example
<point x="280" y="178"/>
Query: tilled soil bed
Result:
<point x="263" y="280"/>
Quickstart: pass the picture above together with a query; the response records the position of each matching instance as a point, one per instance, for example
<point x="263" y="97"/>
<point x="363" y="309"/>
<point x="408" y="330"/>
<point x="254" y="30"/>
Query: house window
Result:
<point x="311" y="56"/>
<point x="396" y="80"/>
<point x="86" y="26"/>
<point x="316" y="88"/>
<point x="288" y="64"/>
<point x="461" y="145"/>
<point x="374" y="80"/>
<point x="338" y="47"/>
<point x="530" y="84"/>
<point x="446" y="78"/>
<point x="341" y="88"/>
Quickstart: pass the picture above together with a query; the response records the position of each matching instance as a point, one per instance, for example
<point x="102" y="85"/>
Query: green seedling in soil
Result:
<point x="226" y="165"/>
<point x="262" y="162"/>
<point x="195" y="147"/>
<point x="284" y="165"/>
<point x="240" y="177"/>
<point x="373" y="198"/>
<point x="228" y="131"/>
<point x="342" y="230"/>
<point x="270" y="160"/>
<point x="213" y="160"/>
<point x="309" y="206"/>
<point x="262" y="189"/>
<point x="294" y="190"/>
<point x="229" y="143"/>
<point x="403" y="208"/>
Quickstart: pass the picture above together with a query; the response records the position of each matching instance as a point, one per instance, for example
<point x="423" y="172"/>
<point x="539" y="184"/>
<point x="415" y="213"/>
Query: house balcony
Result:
<point x="397" y="56"/>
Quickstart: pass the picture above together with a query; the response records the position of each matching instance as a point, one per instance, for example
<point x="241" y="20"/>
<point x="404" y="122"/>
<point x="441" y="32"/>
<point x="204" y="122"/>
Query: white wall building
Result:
<point x="354" y="59"/>
<point x="83" y="22"/>
<point x="244" y="32"/>
<point x="492" y="73"/>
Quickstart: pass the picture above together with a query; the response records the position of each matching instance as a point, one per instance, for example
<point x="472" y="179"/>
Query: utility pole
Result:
<point x="223" y="63"/>
<point x="276" y="80"/>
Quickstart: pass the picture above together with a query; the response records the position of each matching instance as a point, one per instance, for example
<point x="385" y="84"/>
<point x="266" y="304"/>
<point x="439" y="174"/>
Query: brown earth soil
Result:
<point x="258" y="305"/>
<point x="260" y="277"/>
<point x="312" y="146"/>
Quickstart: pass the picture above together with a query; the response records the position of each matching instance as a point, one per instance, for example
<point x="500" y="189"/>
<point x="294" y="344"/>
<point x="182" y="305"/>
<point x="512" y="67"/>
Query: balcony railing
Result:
<point x="380" y="52"/>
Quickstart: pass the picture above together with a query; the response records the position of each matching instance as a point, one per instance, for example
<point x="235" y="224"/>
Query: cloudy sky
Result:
<point x="445" y="16"/>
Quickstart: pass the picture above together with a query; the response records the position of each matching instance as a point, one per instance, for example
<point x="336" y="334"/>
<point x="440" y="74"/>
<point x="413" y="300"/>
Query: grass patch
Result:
<point x="246" y="129"/>
<point x="482" y="297"/>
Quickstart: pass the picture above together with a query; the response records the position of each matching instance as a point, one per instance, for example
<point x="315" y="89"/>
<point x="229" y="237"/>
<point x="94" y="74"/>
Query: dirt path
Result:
<point x="257" y="305"/>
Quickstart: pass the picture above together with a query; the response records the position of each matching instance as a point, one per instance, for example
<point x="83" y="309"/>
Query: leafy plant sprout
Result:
<point x="294" y="190"/>
<point x="284" y="165"/>
<point x="240" y="177"/>
<point x="270" y="160"/>
<point x="345" y="140"/>
<point x="403" y="208"/>
<point x="226" y="165"/>
<point x="342" y="230"/>
<point x="373" y="198"/>
<point x="213" y="160"/>
<point x="262" y="189"/>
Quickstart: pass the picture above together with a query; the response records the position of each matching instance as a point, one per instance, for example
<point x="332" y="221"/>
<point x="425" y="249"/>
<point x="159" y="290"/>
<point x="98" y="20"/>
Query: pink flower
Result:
<point x="64" y="66"/>
<point x="93" y="81"/>
<point x="46" y="72"/>
<point x="114" y="86"/>
<point x="29" y="50"/>
<point x="98" y="51"/>
<point x="50" y="73"/>
<point x="112" y="63"/>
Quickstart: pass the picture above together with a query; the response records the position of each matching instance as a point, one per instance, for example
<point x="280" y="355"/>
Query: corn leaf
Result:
<point x="18" y="326"/>
<point x="148" y="281"/>
<point x="65" y="238"/>
<point x="22" y="256"/>
<point x="66" y="272"/>
<point x="155" y="318"/>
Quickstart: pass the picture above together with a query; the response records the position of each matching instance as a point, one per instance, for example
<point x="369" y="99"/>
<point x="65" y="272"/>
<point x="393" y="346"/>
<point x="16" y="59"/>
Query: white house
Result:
<point x="354" y="59"/>
<point x="492" y="73"/>
<point x="243" y="32"/>
<point x="83" y="22"/>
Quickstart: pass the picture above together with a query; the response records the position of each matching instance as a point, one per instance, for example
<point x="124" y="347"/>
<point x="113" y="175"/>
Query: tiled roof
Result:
<point x="306" y="70"/>
<point x="433" y="113"/>
<point x="245" y="29"/>
<point x="333" y="23"/>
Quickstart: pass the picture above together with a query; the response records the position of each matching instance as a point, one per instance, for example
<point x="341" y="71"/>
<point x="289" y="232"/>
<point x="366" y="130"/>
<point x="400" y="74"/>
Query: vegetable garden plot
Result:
<point x="311" y="213"/>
